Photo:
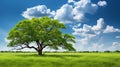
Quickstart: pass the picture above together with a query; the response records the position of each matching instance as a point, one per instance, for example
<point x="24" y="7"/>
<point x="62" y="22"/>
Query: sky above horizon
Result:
<point x="94" y="23"/>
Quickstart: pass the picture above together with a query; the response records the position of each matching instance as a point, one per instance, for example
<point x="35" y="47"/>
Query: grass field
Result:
<point x="60" y="60"/>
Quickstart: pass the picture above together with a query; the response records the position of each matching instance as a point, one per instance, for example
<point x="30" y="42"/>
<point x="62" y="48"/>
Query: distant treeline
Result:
<point x="107" y="51"/>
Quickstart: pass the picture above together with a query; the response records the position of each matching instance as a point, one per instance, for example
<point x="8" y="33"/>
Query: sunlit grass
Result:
<point x="60" y="60"/>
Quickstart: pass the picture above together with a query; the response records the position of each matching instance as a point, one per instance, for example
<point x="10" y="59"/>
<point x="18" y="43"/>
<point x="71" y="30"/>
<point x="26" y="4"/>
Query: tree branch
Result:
<point x="47" y="45"/>
<point x="44" y="46"/>
<point x="31" y="47"/>
<point x="22" y="47"/>
<point x="27" y="45"/>
<point x="19" y="47"/>
<point x="38" y="44"/>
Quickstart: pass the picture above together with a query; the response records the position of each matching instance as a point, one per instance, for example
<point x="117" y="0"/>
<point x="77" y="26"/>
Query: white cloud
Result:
<point x="84" y="41"/>
<point x="85" y="6"/>
<point x="80" y="43"/>
<point x="38" y="11"/>
<point x="68" y="13"/>
<point x="102" y="3"/>
<point x="76" y="13"/>
<point x="115" y="46"/>
<point x="96" y="47"/>
<point x="92" y="31"/>
<point x="78" y="25"/>
<point x="64" y="14"/>
<point x="89" y="31"/>
<point x="110" y="29"/>
<point x="71" y="1"/>
<point x="87" y="34"/>
<point x="5" y="48"/>
<point x="99" y="25"/>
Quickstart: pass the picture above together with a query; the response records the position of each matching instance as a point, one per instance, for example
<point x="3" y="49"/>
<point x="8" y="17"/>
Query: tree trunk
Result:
<point x="39" y="52"/>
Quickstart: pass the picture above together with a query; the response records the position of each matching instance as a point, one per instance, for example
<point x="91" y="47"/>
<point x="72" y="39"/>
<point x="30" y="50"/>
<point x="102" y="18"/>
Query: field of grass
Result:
<point x="60" y="60"/>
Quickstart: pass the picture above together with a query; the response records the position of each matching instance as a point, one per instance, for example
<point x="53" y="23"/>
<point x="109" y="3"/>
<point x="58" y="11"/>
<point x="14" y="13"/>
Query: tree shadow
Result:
<point x="63" y="56"/>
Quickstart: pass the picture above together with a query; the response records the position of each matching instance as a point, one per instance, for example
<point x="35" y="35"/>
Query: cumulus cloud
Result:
<point x="89" y="31"/>
<point x="115" y="43"/>
<point x="87" y="34"/>
<point x="83" y="41"/>
<point x="75" y="13"/>
<point x="38" y="11"/>
<point x="115" y="46"/>
<point x="64" y="13"/>
<point x="110" y="29"/>
<point x="102" y="3"/>
<point x="96" y="47"/>
<point x="85" y="6"/>
<point x="92" y="31"/>
<point x="99" y="25"/>
<point x="67" y="13"/>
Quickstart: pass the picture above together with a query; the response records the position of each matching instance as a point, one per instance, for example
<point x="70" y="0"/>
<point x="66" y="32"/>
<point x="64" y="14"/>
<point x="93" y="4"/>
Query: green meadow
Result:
<point x="60" y="60"/>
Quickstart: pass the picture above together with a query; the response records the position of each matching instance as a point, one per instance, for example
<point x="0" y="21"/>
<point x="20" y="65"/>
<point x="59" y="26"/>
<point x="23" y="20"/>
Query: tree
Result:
<point x="117" y="51"/>
<point x="44" y="32"/>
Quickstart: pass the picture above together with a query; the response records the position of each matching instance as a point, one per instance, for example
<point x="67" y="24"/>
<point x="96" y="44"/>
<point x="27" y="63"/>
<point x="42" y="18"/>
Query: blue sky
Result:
<point x="94" y="23"/>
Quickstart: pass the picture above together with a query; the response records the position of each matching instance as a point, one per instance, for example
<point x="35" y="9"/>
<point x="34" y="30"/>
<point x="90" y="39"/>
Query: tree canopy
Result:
<point x="43" y="32"/>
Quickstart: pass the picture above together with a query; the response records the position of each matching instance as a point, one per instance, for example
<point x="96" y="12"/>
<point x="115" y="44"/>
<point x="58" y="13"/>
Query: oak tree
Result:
<point x="43" y="32"/>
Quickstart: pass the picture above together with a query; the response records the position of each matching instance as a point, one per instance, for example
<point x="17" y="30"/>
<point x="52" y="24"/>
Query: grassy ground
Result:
<point x="60" y="60"/>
